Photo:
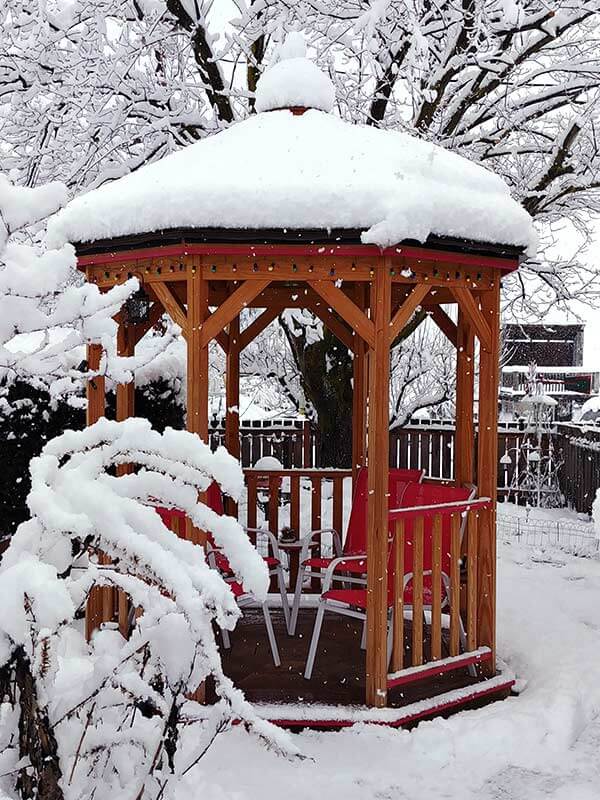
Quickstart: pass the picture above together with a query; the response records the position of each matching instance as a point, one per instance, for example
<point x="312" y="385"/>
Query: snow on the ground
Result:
<point x="542" y="744"/>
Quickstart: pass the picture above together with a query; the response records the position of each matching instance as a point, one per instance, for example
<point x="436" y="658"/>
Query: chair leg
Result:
<point x="297" y="598"/>
<point x="284" y="599"/>
<point x="312" y="652"/>
<point x="271" y="635"/>
<point x="226" y="639"/>
<point x="363" y="638"/>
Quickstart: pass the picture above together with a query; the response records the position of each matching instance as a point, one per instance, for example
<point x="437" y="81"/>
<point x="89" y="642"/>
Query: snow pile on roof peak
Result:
<point x="294" y="81"/>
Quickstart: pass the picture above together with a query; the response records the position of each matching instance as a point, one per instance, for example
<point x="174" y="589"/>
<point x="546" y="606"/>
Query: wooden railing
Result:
<point x="276" y="496"/>
<point x="440" y="585"/>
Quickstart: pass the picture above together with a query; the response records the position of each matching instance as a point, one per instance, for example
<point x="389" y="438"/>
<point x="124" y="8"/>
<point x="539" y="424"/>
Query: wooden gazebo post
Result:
<point x="378" y="465"/>
<point x="487" y="472"/>
<point x="464" y="440"/>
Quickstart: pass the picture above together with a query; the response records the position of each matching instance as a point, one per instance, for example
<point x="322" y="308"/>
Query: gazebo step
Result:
<point x="317" y="715"/>
<point x="434" y="668"/>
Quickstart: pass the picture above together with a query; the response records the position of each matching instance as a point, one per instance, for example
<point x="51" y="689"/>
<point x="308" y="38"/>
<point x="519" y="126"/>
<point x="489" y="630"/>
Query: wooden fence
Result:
<point x="575" y="454"/>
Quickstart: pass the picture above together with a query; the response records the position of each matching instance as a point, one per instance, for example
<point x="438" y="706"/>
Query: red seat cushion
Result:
<point x="237" y="589"/>
<point x="358" y="597"/>
<point x="344" y="566"/>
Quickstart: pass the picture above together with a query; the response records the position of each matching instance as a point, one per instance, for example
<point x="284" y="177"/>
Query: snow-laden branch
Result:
<point x="80" y="510"/>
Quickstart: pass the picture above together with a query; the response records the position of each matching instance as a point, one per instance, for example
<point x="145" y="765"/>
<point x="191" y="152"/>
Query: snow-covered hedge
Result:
<point x="115" y="713"/>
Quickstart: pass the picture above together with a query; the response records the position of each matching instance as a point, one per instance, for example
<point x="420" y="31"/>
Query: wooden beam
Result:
<point x="127" y="337"/>
<point x="171" y="305"/>
<point x="156" y="312"/>
<point x="258" y="325"/>
<point x="487" y="475"/>
<point x="230" y="308"/>
<point x="377" y="503"/>
<point x="96" y="401"/>
<point x="232" y="390"/>
<point x="347" y="309"/>
<point x="444" y="323"/>
<point x="332" y="323"/>
<point x="464" y="446"/>
<point x="407" y="309"/>
<point x="360" y="376"/>
<point x="222" y="340"/>
<point x="197" y="354"/>
<point x="480" y="324"/>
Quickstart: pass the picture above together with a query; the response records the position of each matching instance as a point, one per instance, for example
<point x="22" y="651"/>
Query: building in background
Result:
<point x="557" y="350"/>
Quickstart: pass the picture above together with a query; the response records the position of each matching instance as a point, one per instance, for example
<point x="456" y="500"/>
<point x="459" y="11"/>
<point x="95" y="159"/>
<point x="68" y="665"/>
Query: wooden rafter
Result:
<point x="171" y="305"/>
<point x="331" y="322"/>
<point x="258" y="325"/>
<point x="230" y="308"/>
<point x="444" y="323"/>
<point x="347" y="309"/>
<point x="469" y="306"/>
<point x="407" y="309"/>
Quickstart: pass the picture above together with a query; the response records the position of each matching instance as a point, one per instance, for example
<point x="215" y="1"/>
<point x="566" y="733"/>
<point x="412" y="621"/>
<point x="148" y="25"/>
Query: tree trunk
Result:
<point x="325" y="369"/>
<point x="36" y="740"/>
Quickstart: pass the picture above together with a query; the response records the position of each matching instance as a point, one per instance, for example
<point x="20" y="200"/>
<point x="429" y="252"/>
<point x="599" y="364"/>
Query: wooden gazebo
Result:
<point x="204" y="268"/>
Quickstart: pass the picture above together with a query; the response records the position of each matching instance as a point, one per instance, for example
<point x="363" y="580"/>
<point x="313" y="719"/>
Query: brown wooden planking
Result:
<point x="346" y="308"/>
<point x="398" y="611"/>
<point x="488" y="475"/>
<point x="455" y="555"/>
<point x="274" y="484"/>
<point x="295" y="504"/>
<point x="407" y="309"/>
<point x="338" y="505"/>
<point x="477" y="319"/>
<point x="377" y="503"/>
<point x="251" y="484"/>
<point x="472" y="520"/>
<point x="197" y="367"/>
<point x="436" y="589"/>
<point x="465" y="379"/>
<point x="96" y="399"/>
<point x="315" y="522"/>
<point x="417" y="588"/>
<point x="230" y="308"/>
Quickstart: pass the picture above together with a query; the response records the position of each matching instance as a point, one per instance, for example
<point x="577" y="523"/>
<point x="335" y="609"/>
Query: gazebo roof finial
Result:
<point x="294" y="81"/>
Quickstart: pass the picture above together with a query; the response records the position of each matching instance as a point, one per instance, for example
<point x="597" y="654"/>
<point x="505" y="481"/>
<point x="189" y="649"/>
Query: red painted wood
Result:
<point x="322" y="250"/>
<point x="476" y="694"/>
<point x="437" y="668"/>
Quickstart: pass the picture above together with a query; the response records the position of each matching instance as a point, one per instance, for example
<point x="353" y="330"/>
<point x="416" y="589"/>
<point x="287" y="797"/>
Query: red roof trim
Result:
<point x="348" y="250"/>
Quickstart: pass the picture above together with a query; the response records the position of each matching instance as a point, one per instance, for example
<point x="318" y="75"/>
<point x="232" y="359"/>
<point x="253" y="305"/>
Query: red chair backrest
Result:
<point x="174" y="519"/>
<point x="427" y="494"/>
<point x="356" y="535"/>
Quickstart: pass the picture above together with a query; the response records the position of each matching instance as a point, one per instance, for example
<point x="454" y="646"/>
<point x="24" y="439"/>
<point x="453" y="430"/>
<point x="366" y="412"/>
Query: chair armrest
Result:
<point x="307" y="542"/>
<point x="270" y="536"/>
<point x="328" y="578"/>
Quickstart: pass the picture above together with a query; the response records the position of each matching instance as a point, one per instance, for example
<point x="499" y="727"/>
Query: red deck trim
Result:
<point x="348" y="250"/>
<point x="407" y="719"/>
<point x="438" y="668"/>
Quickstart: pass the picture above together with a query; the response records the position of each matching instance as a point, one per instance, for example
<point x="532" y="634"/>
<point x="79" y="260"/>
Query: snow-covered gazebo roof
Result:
<point x="286" y="171"/>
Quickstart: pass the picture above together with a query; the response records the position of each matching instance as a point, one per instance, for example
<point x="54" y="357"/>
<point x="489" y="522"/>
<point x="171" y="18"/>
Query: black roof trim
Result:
<point x="282" y="236"/>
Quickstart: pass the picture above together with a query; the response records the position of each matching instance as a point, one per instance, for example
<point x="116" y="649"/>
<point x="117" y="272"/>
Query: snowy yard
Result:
<point x="542" y="744"/>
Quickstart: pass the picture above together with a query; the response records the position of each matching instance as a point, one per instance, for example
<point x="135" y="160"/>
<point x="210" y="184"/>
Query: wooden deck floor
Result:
<point x="339" y="673"/>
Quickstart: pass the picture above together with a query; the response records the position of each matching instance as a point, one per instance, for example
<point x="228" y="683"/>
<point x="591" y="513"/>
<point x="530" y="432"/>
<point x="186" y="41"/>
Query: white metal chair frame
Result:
<point x="247" y="599"/>
<point x="305" y="572"/>
<point x="347" y="610"/>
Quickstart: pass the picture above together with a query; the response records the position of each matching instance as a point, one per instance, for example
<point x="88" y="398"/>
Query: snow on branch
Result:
<point x="38" y="298"/>
<point x="90" y="527"/>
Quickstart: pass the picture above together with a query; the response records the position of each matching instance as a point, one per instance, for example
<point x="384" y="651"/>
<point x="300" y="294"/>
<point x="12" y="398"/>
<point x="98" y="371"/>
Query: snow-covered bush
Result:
<point x="112" y="718"/>
<point x="38" y="296"/>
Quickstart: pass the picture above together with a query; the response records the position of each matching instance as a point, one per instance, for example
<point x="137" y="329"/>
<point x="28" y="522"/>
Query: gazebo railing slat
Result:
<point x="441" y="587"/>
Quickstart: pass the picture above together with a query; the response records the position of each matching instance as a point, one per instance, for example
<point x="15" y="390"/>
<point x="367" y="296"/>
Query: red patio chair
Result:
<point x="355" y="543"/>
<point x="353" y="602"/>
<point x="217" y="560"/>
